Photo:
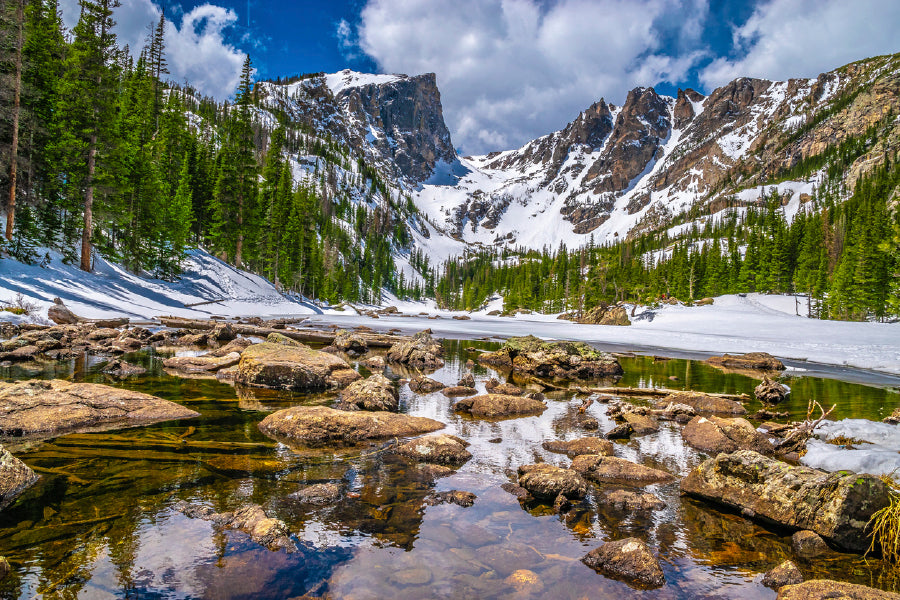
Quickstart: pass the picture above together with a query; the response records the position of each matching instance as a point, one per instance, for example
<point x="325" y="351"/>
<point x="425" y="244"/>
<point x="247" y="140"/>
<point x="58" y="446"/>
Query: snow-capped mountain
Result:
<point x="614" y="171"/>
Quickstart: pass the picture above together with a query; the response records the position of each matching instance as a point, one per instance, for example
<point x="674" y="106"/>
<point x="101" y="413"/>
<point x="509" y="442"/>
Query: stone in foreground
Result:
<point x="422" y="351"/>
<point x="15" y="478"/>
<point x="715" y="435"/>
<point x="441" y="449"/>
<point x="565" y="360"/>
<point x="610" y="469"/>
<point x="837" y="506"/>
<point x="784" y="574"/>
<point x="498" y="405"/>
<point x="320" y="425"/>
<point x="373" y="393"/>
<point x="40" y="409"/>
<point x="547" y="482"/>
<point x="580" y="446"/>
<point x="629" y="560"/>
<point x="282" y="363"/>
<point x="822" y="589"/>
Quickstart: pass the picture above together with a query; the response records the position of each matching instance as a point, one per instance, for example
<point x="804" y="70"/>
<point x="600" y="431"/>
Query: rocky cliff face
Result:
<point x="395" y="120"/>
<point x="618" y="171"/>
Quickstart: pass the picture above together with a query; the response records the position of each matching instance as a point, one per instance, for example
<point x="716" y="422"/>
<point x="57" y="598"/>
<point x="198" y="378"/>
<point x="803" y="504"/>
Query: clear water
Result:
<point x="101" y="524"/>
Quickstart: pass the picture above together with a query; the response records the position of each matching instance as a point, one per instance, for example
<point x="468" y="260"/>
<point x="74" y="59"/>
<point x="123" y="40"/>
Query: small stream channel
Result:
<point x="101" y="524"/>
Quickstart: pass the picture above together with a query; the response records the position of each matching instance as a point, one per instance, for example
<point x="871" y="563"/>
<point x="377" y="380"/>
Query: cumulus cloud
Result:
<point x="512" y="70"/>
<point x="802" y="38"/>
<point x="196" y="47"/>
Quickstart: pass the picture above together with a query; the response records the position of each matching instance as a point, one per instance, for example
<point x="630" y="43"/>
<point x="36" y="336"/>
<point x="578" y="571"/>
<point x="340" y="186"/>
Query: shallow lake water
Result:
<point x="101" y="523"/>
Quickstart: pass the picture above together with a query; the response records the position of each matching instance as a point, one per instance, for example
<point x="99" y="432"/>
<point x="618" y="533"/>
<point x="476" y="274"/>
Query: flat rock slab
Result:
<point x="547" y="482"/>
<point x="39" y="409"/>
<point x="202" y="364"/>
<point x="837" y="506"/>
<point x="701" y="402"/>
<point x="611" y="469"/>
<point x="714" y="435"/>
<point x="629" y="560"/>
<point x="15" y="478"/>
<point x="440" y="449"/>
<point x="822" y="589"/>
<point x="580" y="446"/>
<point x="754" y="361"/>
<point x="289" y="365"/>
<point x="320" y="425"/>
<point x="499" y="405"/>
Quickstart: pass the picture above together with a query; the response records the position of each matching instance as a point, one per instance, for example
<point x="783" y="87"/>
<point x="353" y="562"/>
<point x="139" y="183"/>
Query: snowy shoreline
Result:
<point x="733" y="324"/>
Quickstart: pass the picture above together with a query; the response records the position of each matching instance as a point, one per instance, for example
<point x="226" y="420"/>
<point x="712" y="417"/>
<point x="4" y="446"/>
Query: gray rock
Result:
<point x="547" y="482"/>
<point x="629" y="560"/>
<point x="784" y="574"/>
<point x="15" y="478"/>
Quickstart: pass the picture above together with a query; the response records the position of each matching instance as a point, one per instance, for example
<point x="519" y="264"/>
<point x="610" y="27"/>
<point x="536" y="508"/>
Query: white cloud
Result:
<point x="512" y="70"/>
<point x="802" y="38"/>
<point x="196" y="48"/>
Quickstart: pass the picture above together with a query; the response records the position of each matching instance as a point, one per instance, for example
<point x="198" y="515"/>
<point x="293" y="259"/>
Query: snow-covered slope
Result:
<point x="617" y="171"/>
<point x="111" y="291"/>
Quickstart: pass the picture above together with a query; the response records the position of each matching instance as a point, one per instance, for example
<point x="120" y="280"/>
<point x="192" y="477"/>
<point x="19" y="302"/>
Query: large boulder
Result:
<point x="701" y="402"/>
<point x="547" y="482"/>
<point x="714" y="435"/>
<point x="319" y="425"/>
<point x="784" y="574"/>
<point x="422" y="351"/>
<point x="837" y="506"/>
<point x="826" y="589"/>
<point x="282" y="363"/>
<point x="373" y="393"/>
<point x="39" y="409"/>
<point x="611" y="469"/>
<point x="15" y="478"/>
<point x="753" y="361"/>
<point x="440" y="449"/>
<point x="630" y="560"/>
<point x="61" y="315"/>
<point x="565" y="360"/>
<point x="498" y="405"/>
<point x="606" y="315"/>
<point x="580" y="446"/>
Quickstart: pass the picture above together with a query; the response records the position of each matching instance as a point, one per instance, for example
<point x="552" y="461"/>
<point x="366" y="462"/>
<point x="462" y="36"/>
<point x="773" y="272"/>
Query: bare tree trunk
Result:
<point x="89" y="206"/>
<point x="14" y="147"/>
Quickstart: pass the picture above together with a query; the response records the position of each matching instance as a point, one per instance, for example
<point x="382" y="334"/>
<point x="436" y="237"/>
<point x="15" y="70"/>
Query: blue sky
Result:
<point x="512" y="70"/>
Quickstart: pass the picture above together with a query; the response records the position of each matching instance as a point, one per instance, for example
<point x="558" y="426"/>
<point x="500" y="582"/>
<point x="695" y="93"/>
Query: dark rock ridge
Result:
<point x="836" y="506"/>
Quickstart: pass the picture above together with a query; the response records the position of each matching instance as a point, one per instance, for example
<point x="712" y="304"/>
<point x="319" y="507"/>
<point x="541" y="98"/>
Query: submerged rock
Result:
<point x="630" y="501"/>
<point x="122" y="369"/>
<point x="318" y="494"/>
<point x="15" y="478"/>
<point x="373" y="393"/>
<point x="206" y="363"/>
<point x="422" y="351"/>
<point x="282" y="363"/>
<point x="319" y="425"/>
<point x="610" y="469"/>
<point x="808" y="544"/>
<point x="458" y="391"/>
<point x="566" y="360"/>
<point x="629" y="560"/>
<point x="251" y="519"/>
<point x="506" y="389"/>
<point x="442" y="449"/>
<point x="714" y="435"/>
<point x="701" y="402"/>
<point x="498" y="405"/>
<point x="37" y="409"/>
<point x="837" y="506"/>
<point x="460" y="498"/>
<point x="784" y="574"/>
<point x="580" y="446"/>
<point x="547" y="482"/>
<point x="771" y="392"/>
<point x="823" y="589"/>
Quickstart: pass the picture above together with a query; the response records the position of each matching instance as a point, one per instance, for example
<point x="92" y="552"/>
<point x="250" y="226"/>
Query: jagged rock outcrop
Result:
<point x="837" y="506"/>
